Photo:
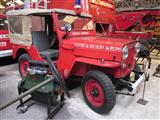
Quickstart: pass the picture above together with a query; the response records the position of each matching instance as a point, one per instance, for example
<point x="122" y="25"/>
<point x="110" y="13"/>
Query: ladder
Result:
<point x="27" y="4"/>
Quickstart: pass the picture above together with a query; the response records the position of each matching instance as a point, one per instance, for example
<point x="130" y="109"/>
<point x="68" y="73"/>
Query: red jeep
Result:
<point x="5" y="45"/>
<point x="71" y="42"/>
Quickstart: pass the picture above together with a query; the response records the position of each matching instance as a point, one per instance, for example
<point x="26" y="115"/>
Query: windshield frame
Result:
<point x="80" y="16"/>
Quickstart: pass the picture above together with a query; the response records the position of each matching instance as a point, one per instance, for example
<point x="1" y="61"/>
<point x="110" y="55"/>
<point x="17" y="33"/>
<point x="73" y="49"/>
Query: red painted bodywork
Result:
<point x="6" y="41"/>
<point x="32" y="50"/>
<point x="73" y="56"/>
<point x="88" y="51"/>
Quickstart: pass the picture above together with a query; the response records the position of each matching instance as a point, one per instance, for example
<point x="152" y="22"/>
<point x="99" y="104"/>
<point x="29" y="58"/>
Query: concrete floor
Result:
<point x="75" y="108"/>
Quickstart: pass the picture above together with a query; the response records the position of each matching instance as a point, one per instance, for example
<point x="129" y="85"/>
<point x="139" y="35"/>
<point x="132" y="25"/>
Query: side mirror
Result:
<point x="67" y="27"/>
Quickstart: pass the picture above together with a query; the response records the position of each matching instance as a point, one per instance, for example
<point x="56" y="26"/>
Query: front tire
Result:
<point x="23" y="64"/>
<point x="98" y="92"/>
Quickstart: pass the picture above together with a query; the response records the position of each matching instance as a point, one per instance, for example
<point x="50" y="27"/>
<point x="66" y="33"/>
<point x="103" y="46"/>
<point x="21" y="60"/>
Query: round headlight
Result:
<point x="125" y="53"/>
<point x="137" y="47"/>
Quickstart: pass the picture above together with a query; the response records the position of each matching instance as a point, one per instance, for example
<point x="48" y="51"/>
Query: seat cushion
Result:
<point x="52" y="53"/>
<point x="40" y="40"/>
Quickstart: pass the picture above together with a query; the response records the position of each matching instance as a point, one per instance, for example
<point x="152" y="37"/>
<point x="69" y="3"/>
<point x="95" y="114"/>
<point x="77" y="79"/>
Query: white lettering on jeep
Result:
<point x="98" y="47"/>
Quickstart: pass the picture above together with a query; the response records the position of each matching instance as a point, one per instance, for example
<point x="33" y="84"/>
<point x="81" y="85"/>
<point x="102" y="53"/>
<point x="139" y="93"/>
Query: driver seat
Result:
<point x="41" y="42"/>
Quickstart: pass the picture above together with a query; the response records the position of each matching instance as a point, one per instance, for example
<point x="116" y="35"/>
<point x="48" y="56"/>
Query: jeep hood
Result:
<point x="97" y="40"/>
<point x="98" y="47"/>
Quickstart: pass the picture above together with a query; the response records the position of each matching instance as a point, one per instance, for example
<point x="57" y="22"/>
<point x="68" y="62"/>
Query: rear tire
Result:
<point x="23" y="64"/>
<point x="98" y="92"/>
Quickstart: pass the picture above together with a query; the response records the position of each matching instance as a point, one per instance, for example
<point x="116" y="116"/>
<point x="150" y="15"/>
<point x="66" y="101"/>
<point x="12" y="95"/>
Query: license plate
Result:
<point x="3" y="44"/>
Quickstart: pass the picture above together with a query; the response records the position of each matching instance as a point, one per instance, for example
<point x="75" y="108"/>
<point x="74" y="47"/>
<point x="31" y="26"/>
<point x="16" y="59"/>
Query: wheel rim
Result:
<point x="23" y="67"/>
<point x="94" y="93"/>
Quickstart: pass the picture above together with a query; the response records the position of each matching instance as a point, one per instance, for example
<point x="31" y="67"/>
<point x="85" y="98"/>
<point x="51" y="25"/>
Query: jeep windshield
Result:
<point x="78" y="23"/>
<point x="3" y="24"/>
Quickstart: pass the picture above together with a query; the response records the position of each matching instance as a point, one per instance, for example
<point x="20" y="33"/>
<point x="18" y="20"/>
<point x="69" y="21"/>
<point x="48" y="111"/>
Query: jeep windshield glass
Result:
<point x="3" y="24"/>
<point x="77" y="22"/>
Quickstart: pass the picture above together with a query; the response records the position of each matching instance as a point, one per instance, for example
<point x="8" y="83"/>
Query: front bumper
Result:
<point x="5" y="53"/>
<point x="143" y="75"/>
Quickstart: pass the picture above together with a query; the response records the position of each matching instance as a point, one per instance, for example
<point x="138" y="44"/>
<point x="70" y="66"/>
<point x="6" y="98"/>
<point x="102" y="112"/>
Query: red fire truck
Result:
<point x="5" y="45"/>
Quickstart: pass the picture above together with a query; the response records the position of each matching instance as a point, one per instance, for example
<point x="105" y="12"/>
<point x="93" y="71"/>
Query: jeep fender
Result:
<point x="98" y="62"/>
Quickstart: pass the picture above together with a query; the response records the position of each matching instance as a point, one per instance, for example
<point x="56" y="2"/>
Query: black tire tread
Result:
<point x="108" y="87"/>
